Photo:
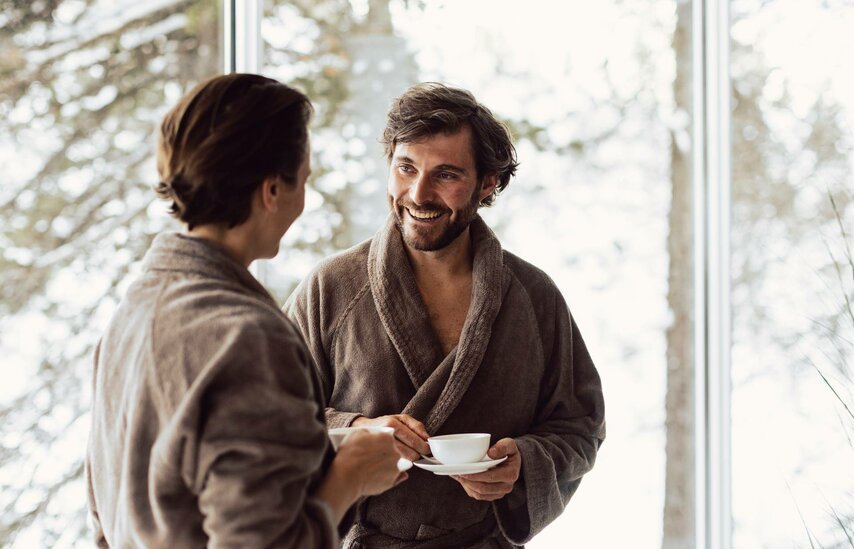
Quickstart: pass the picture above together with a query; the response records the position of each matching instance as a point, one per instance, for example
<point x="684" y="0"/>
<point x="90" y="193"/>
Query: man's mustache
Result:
<point x="423" y="207"/>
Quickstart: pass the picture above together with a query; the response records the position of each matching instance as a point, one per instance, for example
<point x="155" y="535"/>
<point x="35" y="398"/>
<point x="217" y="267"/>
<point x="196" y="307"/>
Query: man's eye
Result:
<point x="447" y="175"/>
<point x="405" y="169"/>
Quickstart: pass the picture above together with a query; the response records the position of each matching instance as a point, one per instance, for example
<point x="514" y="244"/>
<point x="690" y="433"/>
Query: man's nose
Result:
<point x="420" y="191"/>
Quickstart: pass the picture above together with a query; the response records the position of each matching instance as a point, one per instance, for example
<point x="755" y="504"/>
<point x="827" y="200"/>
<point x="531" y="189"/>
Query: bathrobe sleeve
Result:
<point x="565" y="438"/>
<point x="258" y="444"/>
<point x="306" y="309"/>
<point x="94" y="517"/>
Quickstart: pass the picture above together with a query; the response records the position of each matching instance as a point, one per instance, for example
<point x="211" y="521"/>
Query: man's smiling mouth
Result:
<point x="424" y="216"/>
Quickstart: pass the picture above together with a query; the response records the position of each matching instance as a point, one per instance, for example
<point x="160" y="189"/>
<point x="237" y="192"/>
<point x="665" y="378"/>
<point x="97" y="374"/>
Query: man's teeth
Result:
<point x="423" y="215"/>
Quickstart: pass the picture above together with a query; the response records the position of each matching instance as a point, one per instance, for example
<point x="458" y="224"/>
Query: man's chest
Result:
<point x="374" y="372"/>
<point x="446" y="302"/>
<point x="447" y="314"/>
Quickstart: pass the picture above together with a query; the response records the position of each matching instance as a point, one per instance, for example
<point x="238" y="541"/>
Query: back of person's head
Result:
<point x="223" y="139"/>
<point x="432" y="108"/>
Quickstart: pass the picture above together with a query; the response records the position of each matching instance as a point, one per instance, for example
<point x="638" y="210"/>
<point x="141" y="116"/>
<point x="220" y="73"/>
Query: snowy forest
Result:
<point x="599" y="100"/>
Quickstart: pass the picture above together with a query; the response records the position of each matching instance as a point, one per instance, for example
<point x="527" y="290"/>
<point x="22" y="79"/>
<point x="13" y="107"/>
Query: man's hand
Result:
<point x="371" y="459"/>
<point x="365" y="465"/>
<point x="496" y="483"/>
<point x="410" y="433"/>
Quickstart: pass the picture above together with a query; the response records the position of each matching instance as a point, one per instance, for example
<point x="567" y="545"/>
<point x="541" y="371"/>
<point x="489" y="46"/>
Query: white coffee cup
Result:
<point x="459" y="448"/>
<point x="339" y="434"/>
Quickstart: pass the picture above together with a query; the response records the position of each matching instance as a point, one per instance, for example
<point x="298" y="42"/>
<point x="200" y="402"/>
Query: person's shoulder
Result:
<point x="349" y="263"/>
<point x="203" y="294"/>
<point x="236" y="330"/>
<point x="216" y="307"/>
<point x="343" y="273"/>
<point x="332" y="288"/>
<point x="535" y="281"/>
<point x="237" y="342"/>
<point x="539" y="290"/>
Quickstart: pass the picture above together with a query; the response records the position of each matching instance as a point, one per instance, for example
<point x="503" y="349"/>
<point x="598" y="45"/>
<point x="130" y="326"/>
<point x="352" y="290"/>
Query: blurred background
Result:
<point x="600" y="99"/>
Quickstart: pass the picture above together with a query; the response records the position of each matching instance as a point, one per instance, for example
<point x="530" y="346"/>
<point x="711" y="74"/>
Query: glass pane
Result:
<point x="84" y="84"/>
<point x="598" y="97"/>
<point x="792" y="279"/>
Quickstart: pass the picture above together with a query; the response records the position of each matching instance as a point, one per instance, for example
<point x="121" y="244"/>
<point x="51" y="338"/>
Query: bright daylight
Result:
<point x="427" y="274"/>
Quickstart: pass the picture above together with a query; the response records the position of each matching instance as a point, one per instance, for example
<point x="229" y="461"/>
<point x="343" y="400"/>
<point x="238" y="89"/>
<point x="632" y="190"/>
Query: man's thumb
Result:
<point x="503" y="447"/>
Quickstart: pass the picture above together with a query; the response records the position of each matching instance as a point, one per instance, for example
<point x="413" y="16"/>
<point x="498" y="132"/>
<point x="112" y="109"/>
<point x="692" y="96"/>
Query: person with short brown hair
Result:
<point x="431" y="328"/>
<point x="430" y="108"/>
<point x="220" y="142"/>
<point x="207" y="419"/>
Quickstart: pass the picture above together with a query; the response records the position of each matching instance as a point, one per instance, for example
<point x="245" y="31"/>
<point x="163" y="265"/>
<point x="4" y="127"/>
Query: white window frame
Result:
<point x="242" y="40"/>
<point x="242" y="52"/>
<point x="712" y="318"/>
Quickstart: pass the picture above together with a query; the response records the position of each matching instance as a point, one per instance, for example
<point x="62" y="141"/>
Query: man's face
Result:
<point x="291" y="195"/>
<point x="433" y="189"/>
<point x="289" y="199"/>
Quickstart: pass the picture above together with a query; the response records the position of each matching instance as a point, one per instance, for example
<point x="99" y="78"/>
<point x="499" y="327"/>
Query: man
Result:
<point x="207" y="422"/>
<point x="431" y="328"/>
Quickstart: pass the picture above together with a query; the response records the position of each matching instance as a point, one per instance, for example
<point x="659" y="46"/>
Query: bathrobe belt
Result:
<point x="364" y="537"/>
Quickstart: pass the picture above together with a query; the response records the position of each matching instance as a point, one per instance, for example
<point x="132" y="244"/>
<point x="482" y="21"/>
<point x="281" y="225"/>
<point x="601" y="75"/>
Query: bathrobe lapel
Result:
<point x="440" y="381"/>
<point x="400" y="307"/>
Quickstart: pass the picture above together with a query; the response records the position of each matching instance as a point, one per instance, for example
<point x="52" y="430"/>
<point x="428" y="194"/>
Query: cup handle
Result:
<point x="404" y="464"/>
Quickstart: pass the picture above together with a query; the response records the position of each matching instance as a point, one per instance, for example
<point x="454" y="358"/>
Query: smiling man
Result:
<point x="430" y="327"/>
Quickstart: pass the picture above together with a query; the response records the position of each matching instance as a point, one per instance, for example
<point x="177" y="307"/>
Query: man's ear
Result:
<point x="269" y="191"/>
<point x="487" y="185"/>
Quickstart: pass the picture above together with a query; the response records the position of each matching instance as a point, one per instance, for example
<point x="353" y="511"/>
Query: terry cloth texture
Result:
<point x="207" y="423"/>
<point x="520" y="370"/>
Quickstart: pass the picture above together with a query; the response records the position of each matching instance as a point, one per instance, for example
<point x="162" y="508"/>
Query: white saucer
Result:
<point x="438" y="468"/>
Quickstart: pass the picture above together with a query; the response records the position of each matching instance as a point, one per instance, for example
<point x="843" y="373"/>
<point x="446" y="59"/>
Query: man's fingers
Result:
<point x="408" y="430"/>
<point x="487" y="487"/>
<point x="405" y="435"/>
<point x="506" y="472"/>
<point x="491" y="478"/>
<point x="406" y="452"/>
<point x="400" y="478"/>
<point x="495" y="483"/>
<point x="489" y="495"/>
<point x="416" y="426"/>
<point x="412" y="440"/>
<point x="504" y="447"/>
<point x="484" y="491"/>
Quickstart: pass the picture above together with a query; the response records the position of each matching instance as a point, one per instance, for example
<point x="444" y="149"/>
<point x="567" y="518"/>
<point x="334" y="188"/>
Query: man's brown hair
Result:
<point x="222" y="139"/>
<point x="431" y="108"/>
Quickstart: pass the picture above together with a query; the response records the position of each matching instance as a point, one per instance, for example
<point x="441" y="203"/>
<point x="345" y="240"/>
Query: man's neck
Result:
<point x="444" y="280"/>
<point x="451" y="262"/>
<point x="234" y="241"/>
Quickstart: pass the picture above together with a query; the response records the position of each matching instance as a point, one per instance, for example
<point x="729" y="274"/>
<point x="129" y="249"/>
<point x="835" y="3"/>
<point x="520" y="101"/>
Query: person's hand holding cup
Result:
<point x="411" y="435"/>
<point x="371" y="456"/>
<point x="366" y="464"/>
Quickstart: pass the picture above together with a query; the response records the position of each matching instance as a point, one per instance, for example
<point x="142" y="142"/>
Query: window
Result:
<point x="792" y="276"/>
<point x="602" y="197"/>
<point x="84" y="85"/>
<point x="685" y="179"/>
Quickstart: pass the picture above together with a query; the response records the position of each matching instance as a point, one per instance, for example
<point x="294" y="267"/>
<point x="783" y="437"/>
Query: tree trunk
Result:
<point x="678" y="527"/>
<point x="382" y="68"/>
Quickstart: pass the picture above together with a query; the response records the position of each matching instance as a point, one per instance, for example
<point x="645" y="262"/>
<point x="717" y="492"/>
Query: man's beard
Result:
<point x="453" y="229"/>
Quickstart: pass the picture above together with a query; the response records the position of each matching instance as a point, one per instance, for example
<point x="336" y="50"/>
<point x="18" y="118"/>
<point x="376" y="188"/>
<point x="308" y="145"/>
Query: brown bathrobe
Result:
<point x="520" y="370"/>
<point x="206" y="424"/>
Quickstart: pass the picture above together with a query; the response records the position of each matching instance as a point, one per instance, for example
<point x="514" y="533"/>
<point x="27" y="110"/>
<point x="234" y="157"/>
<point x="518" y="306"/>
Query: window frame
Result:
<point x="712" y="169"/>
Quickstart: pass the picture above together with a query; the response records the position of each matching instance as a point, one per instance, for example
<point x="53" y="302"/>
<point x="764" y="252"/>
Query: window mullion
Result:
<point x="712" y="175"/>
<point x="248" y="35"/>
<point x="229" y="51"/>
